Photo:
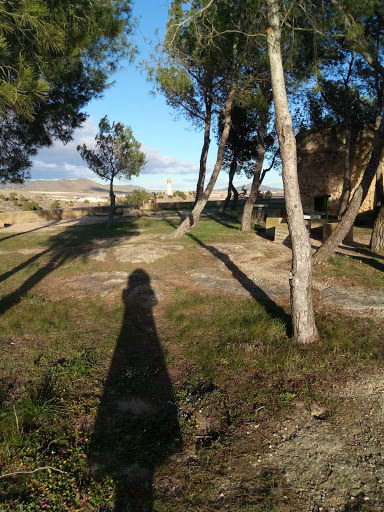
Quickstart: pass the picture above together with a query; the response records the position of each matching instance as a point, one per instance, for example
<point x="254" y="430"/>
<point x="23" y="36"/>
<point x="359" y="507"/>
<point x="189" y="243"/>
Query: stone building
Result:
<point x="321" y="164"/>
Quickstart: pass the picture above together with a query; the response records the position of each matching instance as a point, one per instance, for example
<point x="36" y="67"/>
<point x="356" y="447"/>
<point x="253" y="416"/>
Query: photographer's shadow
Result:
<point x="136" y="426"/>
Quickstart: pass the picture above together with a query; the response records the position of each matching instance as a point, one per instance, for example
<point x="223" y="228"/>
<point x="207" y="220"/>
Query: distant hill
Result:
<point x="263" y="188"/>
<point x="79" y="186"/>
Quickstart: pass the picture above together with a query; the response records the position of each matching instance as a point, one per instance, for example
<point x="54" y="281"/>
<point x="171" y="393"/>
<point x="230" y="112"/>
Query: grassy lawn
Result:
<point x="106" y="405"/>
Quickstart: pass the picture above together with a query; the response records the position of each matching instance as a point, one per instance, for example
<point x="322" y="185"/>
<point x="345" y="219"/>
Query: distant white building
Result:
<point x="169" y="187"/>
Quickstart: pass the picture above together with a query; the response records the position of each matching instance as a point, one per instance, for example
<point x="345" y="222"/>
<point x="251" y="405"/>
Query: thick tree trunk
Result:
<point x="230" y="183"/>
<point x="332" y="243"/>
<point x="235" y="198"/>
<point x="112" y="207"/>
<point x="303" y="319"/>
<point x="256" y="182"/>
<point x="194" y="216"/>
<point x="204" y="151"/>
<point x="377" y="240"/>
<point x="346" y="193"/>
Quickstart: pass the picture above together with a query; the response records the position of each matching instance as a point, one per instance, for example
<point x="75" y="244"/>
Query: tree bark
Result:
<point x="379" y="191"/>
<point x="205" y="149"/>
<point x="346" y="193"/>
<point x="111" y="212"/>
<point x="331" y="244"/>
<point x="230" y="183"/>
<point x="235" y="198"/>
<point x="377" y="240"/>
<point x="256" y="182"/>
<point x="303" y="319"/>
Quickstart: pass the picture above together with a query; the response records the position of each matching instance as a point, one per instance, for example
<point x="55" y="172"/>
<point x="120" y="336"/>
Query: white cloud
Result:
<point x="64" y="162"/>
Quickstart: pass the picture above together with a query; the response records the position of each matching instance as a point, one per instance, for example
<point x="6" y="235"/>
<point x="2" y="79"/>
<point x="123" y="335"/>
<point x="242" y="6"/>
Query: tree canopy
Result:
<point x="56" y="56"/>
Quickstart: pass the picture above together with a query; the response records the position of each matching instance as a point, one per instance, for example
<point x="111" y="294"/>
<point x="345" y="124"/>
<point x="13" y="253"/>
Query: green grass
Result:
<point x="358" y="270"/>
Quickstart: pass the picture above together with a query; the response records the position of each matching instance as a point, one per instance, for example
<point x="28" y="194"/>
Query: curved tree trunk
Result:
<point x="204" y="151"/>
<point x="377" y="240"/>
<point x="230" y="183"/>
<point x="112" y="207"/>
<point x="256" y="182"/>
<point x="331" y="244"/>
<point x="235" y="198"/>
<point x="194" y="216"/>
<point x="303" y="319"/>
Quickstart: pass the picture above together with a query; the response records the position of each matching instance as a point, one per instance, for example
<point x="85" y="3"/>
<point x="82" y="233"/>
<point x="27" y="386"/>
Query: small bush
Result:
<point x="181" y="194"/>
<point x="193" y="193"/>
<point x="22" y="199"/>
<point x="29" y="206"/>
<point x="15" y="203"/>
<point x="12" y="196"/>
<point x="135" y="197"/>
<point x="160" y="196"/>
<point x="55" y="204"/>
<point x="2" y="197"/>
<point x="86" y="201"/>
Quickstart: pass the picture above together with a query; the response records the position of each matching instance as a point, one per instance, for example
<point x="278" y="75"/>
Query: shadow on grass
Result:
<point x="254" y="291"/>
<point x="74" y="242"/>
<point x="136" y="426"/>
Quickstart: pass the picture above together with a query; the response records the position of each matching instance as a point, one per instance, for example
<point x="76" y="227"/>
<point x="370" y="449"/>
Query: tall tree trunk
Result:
<point x="111" y="211"/>
<point x="232" y="172"/>
<point x="346" y="193"/>
<point x="379" y="190"/>
<point x="194" y="216"/>
<point x="377" y="240"/>
<point x="204" y="151"/>
<point x="303" y="318"/>
<point x="235" y="198"/>
<point x="256" y="182"/>
<point x="332" y="243"/>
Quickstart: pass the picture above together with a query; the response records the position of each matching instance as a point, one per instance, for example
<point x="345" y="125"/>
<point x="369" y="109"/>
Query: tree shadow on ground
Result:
<point x="70" y="244"/>
<point x="136" y="426"/>
<point x="254" y="291"/>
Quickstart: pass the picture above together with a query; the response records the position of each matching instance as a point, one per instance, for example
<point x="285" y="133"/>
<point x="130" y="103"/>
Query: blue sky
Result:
<point x="172" y="145"/>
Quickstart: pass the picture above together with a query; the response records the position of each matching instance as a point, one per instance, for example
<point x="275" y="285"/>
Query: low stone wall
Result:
<point x="89" y="211"/>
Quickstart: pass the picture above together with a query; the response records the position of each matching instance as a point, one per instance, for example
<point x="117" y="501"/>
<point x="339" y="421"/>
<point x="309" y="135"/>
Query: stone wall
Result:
<point x="321" y="164"/>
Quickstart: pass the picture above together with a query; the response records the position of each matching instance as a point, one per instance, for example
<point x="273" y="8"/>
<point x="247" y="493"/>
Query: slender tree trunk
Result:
<point x="194" y="216"/>
<point x="230" y="183"/>
<point x="303" y="319"/>
<point x="346" y="193"/>
<point x="256" y="182"/>
<point x="379" y="190"/>
<point x="204" y="151"/>
<point x="235" y="198"/>
<point x="112" y="198"/>
<point x="332" y="243"/>
<point x="377" y="240"/>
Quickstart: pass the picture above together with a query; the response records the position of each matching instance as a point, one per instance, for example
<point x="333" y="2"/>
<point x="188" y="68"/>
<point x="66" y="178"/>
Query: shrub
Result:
<point x="181" y="194"/>
<point x="12" y="196"/>
<point x="22" y="199"/>
<point x="160" y="196"/>
<point x="29" y="206"/>
<point x="55" y="204"/>
<point x="134" y="197"/>
<point x="86" y="201"/>
<point x="193" y="193"/>
<point x="2" y="197"/>
<point x="15" y="203"/>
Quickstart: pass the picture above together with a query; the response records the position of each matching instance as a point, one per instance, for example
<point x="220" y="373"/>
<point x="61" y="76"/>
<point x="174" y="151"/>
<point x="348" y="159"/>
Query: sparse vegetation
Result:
<point x="29" y="206"/>
<point x="179" y="193"/>
<point x="137" y="196"/>
<point x="12" y="196"/>
<point x="55" y="204"/>
<point x="2" y="197"/>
